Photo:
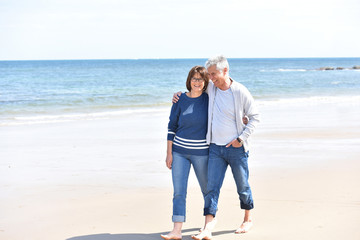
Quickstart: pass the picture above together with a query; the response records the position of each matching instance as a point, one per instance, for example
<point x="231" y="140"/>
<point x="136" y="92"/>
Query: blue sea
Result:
<point x="64" y="90"/>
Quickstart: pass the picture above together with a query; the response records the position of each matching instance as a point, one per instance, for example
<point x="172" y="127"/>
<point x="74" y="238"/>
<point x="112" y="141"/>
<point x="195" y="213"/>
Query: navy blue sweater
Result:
<point x="188" y="125"/>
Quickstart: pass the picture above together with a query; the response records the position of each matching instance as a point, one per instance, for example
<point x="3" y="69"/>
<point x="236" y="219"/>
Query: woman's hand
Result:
<point x="169" y="160"/>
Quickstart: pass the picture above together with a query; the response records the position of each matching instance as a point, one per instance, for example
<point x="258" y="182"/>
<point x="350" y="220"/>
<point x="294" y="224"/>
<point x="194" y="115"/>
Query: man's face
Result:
<point x="216" y="76"/>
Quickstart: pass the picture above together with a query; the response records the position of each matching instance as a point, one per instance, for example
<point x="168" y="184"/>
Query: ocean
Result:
<point x="34" y="92"/>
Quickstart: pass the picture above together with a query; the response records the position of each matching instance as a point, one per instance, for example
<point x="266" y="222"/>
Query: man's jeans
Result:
<point x="219" y="158"/>
<point x="180" y="174"/>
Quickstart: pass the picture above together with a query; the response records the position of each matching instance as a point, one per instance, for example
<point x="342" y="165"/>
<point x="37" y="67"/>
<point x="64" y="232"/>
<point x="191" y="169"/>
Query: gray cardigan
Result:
<point x="244" y="106"/>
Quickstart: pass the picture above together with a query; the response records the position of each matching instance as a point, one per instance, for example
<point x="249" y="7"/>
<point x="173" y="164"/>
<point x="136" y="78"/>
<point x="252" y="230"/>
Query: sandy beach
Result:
<point x="106" y="179"/>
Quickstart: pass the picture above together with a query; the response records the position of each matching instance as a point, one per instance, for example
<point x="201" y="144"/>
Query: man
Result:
<point x="229" y="102"/>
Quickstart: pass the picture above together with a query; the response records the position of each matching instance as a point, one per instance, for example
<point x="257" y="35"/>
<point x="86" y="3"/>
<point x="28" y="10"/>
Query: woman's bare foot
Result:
<point x="171" y="236"/>
<point x="245" y="227"/>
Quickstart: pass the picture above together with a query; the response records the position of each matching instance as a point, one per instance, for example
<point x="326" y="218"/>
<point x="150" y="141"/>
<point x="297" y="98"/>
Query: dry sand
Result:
<point x="106" y="179"/>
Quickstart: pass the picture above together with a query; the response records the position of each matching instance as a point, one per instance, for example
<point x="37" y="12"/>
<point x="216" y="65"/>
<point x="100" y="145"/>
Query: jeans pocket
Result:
<point x="236" y="147"/>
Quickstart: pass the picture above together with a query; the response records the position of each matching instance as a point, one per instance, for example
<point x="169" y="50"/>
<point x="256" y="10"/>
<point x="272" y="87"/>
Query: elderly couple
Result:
<point x="209" y="128"/>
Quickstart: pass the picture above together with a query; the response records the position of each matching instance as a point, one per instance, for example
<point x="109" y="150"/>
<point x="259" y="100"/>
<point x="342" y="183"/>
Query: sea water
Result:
<point x="65" y="90"/>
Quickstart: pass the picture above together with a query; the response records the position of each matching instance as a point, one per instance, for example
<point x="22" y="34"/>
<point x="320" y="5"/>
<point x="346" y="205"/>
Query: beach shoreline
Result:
<point x="106" y="178"/>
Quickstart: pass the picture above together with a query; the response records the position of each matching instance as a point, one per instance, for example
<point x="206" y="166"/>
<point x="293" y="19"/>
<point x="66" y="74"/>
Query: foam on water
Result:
<point x="350" y="100"/>
<point x="58" y="118"/>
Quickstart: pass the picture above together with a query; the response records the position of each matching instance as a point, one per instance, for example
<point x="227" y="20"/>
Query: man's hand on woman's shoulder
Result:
<point x="176" y="97"/>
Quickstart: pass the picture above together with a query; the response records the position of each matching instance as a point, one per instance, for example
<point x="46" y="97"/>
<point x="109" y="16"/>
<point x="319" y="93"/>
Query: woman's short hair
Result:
<point x="219" y="61"/>
<point x="203" y="73"/>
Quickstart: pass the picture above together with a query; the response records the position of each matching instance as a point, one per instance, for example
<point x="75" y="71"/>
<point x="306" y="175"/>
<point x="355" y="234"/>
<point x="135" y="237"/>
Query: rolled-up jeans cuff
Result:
<point x="247" y="206"/>
<point x="178" y="218"/>
<point x="209" y="211"/>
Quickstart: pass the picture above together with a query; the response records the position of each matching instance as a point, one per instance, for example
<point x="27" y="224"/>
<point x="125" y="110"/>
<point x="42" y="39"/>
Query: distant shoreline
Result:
<point x="130" y="59"/>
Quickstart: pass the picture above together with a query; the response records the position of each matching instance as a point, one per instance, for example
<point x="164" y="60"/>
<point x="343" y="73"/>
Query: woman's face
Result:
<point x="197" y="82"/>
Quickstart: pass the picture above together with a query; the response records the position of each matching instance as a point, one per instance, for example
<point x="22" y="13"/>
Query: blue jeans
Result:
<point x="219" y="159"/>
<point x="180" y="173"/>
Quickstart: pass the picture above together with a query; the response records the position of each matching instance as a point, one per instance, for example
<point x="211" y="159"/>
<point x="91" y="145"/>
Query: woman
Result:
<point x="186" y="143"/>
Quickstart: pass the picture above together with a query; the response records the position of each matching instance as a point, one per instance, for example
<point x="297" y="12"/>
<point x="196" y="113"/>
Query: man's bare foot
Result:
<point x="171" y="236"/>
<point x="204" y="234"/>
<point x="245" y="227"/>
<point x="210" y="225"/>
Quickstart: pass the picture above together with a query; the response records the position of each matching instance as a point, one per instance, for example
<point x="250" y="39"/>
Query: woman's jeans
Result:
<point x="180" y="174"/>
<point x="219" y="159"/>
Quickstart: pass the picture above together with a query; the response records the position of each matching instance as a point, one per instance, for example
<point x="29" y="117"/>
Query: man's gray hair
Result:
<point x="219" y="61"/>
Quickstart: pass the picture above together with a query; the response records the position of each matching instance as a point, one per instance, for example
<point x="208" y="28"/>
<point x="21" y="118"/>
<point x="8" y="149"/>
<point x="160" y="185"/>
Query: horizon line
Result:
<point x="109" y="59"/>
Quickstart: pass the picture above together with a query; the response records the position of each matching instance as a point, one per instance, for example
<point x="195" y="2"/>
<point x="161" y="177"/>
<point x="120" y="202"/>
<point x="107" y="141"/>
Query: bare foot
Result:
<point x="171" y="236"/>
<point x="245" y="227"/>
<point x="210" y="225"/>
<point x="204" y="234"/>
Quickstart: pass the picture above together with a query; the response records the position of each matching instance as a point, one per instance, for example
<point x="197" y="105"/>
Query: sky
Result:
<point x="131" y="29"/>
